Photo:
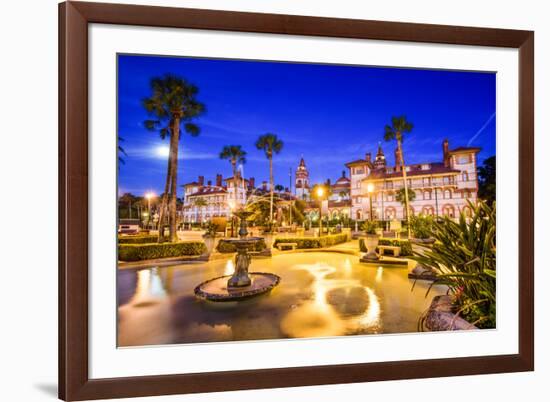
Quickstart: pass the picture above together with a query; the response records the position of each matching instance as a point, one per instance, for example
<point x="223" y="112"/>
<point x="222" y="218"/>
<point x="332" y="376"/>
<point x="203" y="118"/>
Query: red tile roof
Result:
<point x="463" y="149"/>
<point x="357" y="162"/>
<point x="415" y="170"/>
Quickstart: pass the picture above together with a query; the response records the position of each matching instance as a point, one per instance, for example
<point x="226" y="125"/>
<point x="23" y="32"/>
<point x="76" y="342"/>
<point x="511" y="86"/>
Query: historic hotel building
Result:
<point x="442" y="188"/>
<point x="216" y="200"/>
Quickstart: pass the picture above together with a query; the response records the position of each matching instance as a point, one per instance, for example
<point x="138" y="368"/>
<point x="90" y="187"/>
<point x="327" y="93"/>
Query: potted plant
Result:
<point x="209" y="236"/>
<point x="371" y="240"/>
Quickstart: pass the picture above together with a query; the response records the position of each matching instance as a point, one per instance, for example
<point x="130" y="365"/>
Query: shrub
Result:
<point x="406" y="246"/>
<point x="150" y="251"/>
<point x="422" y="226"/>
<point x="138" y="239"/>
<point x="314" y="242"/>
<point x="225" y="247"/>
<point x="464" y="257"/>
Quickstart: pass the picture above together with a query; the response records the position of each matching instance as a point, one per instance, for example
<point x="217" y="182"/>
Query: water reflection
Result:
<point x="341" y="304"/>
<point x="321" y="294"/>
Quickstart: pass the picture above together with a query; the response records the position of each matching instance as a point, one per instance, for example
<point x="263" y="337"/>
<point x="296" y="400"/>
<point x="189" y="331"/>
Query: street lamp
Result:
<point x="370" y="189"/>
<point x="320" y="193"/>
<point x="149" y="196"/>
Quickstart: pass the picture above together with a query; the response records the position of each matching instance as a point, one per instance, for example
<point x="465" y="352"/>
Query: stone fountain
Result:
<point x="242" y="284"/>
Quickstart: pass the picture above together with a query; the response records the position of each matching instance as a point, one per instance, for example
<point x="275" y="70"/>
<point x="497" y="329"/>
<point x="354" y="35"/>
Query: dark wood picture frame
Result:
<point x="74" y="381"/>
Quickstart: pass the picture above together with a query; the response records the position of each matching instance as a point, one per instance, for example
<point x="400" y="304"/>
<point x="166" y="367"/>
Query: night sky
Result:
<point x="330" y="114"/>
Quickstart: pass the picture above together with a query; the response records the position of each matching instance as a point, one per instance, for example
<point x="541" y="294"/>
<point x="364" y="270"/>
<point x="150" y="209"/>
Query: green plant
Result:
<point x="314" y="242"/>
<point x="406" y="246"/>
<point x="138" y="239"/>
<point x="369" y="227"/>
<point x="226" y="247"/>
<point x="149" y="251"/>
<point x="464" y="256"/>
<point x="210" y="228"/>
<point x="421" y="226"/>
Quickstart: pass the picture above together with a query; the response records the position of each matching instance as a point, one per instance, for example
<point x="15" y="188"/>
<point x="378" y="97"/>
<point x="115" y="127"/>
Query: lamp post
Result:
<point x="149" y="196"/>
<point x="320" y="193"/>
<point x="370" y="189"/>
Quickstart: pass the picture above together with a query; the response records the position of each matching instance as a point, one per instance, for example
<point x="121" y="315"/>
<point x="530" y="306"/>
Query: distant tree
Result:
<point x="270" y="144"/>
<point x="172" y="104"/>
<point x="127" y="203"/>
<point x="487" y="180"/>
<point x="279" y="187"/>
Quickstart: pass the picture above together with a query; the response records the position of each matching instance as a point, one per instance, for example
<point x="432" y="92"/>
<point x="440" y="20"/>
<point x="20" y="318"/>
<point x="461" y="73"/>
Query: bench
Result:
<point x="292" y="246"/>
<point x="394" y="249"/>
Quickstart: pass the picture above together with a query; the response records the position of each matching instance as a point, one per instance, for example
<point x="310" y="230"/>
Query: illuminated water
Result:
<point x="321" y="294"/>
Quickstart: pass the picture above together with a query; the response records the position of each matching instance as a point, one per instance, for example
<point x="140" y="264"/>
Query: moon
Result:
<point x="163" y="150"/>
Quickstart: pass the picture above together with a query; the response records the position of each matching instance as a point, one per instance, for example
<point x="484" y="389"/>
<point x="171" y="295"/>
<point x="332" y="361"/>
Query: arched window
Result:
<point x="447" y="194"/>
<point x="299" y="183"/>
<point x="429" y="210"/>
<point x="427" y="195"/>
<point x="449" y="210"/>
<point x="359" y="215"/>
<point x="464" y="176"/>
<point x="467" y="211"/>
<point x="390" y="213"/>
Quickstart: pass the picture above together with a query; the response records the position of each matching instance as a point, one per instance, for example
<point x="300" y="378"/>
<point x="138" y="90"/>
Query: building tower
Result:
<point x="380" y="161"/>
<point x="302" y="181"/>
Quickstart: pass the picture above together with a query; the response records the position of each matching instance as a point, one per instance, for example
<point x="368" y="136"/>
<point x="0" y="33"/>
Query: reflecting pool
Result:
<point x="321" y="294"/>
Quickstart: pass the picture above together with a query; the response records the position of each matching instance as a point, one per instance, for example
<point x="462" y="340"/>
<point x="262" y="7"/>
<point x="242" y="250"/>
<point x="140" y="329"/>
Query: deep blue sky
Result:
<point x="330" y="114"/>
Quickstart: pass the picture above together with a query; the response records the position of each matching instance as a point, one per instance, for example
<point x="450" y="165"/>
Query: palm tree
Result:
<point x="235" y="155"/>
<point x="172" y="103"/>
<point x="199" y="203"/>
<point x="271" y="144"/>
<point x="400" y="196"/>
<point x="399" y="127"/>
<point x="121" y="152"/>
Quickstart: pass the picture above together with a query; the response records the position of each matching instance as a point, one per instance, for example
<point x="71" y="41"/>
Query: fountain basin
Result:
<point x="217" y="289"/>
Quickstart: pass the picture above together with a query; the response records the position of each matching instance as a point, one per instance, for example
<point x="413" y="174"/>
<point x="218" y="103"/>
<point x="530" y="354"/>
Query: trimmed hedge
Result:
<point x="139" y="239"/>
<point x="150" y="251"/>
<point x="406" y="246"/>
<point x="314" y="242"/>
<point x="225" y="247"/>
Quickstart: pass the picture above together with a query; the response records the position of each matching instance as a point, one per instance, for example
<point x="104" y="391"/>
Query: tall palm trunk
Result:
<point x="164" y="202"/>
<point x="406" y="188"/>
<point x="174" y="178"/>
<point x="270" y="189"/>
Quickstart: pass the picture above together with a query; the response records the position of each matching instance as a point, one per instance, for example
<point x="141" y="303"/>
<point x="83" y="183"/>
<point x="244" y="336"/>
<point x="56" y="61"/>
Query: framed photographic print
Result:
<point x="257" y="201"/>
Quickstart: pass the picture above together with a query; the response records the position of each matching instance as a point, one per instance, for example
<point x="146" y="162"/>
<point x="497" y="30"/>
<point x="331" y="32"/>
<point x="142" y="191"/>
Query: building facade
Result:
<point x="205" y="201"/>
<point x="441" y="188"/>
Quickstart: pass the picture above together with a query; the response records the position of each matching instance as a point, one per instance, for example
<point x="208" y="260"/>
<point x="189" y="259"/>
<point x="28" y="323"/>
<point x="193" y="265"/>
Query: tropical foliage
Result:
<point x="422" y="226"/>
<point x="121" y="152"/>
<point x="487" y="180"/>
<point x="172" y="104"/>
<point x="369" y="227"/>
<point x="464" y="257"/>
<point x="400" y="195"/>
